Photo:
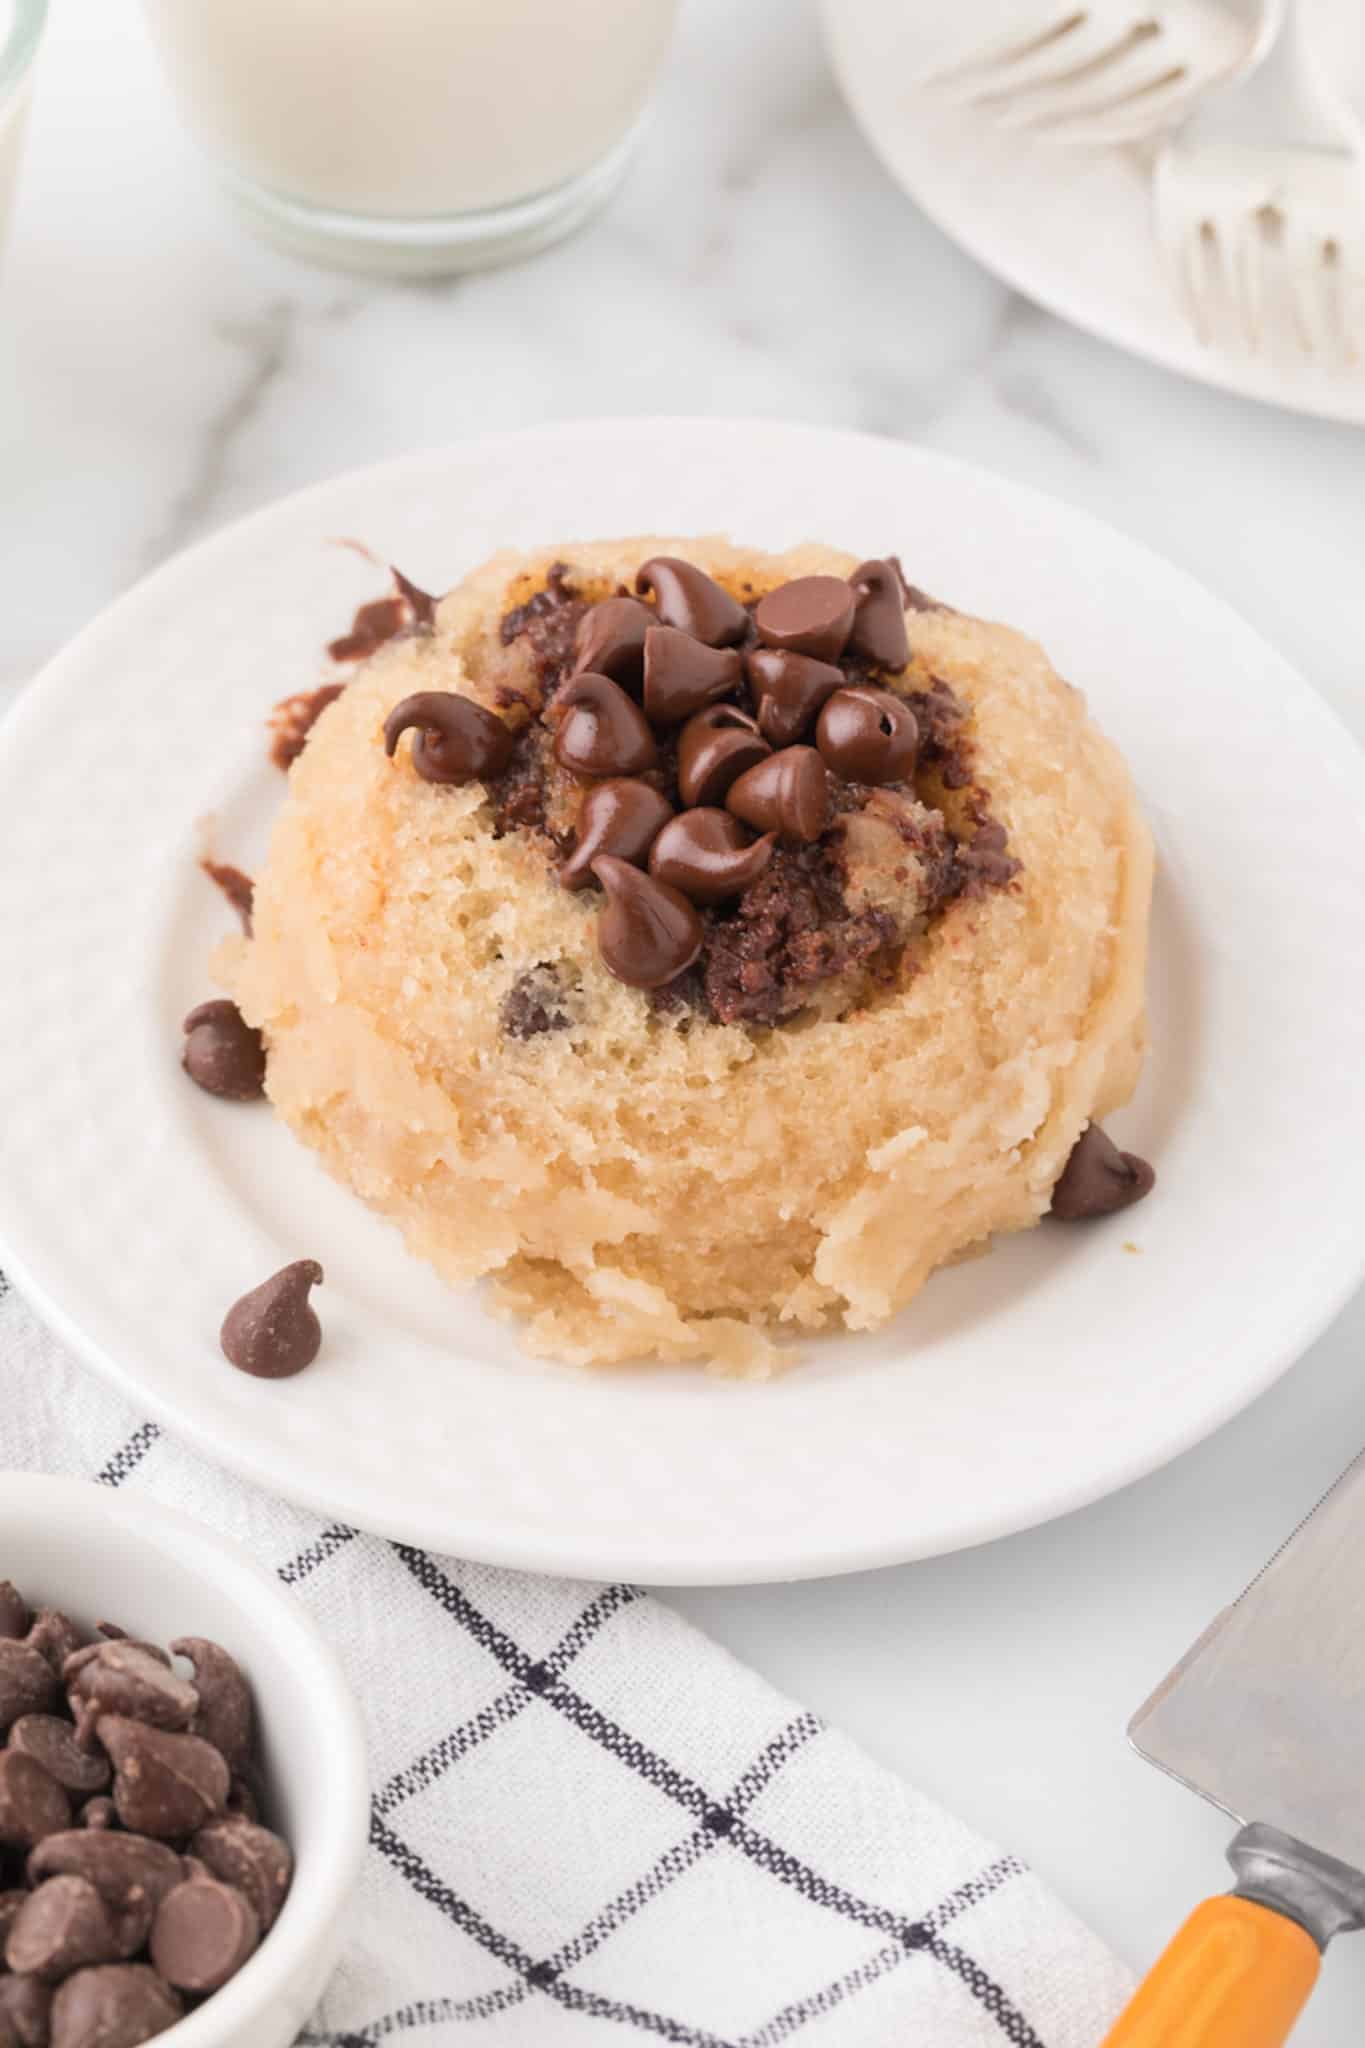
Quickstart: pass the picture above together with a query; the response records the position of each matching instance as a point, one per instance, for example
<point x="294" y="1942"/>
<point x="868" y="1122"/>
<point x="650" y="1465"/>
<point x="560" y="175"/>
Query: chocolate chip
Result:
<point x="620" y="816"/>
<point x="115" y="2005"/>
<point x="984" y="861"/>
<point x="224" y="1055"/>
<point x="810" y="615"/>
<point x="531" y="1007"/>
<point x="787" y="794"/>
<point x="1098" y="1179"/>
<point x="203" y="1932"/>
<point x="51" y="1742"/>
<point x="98" y="1813"/>
<point x="708" y="855"/>
<point x="54" y="1636"/>
<point x="25" y="2012"/>
<point x="273" y="1332"/>
<point x="420" y="603"/>
<point x="373" y="625"/>
<point x="238" y="888"/>
<point x="64" y="1925"/>
<point x="690" y="599"/>
<point x="602" y="731"/>
<point x="648" y="933"/>
<point x="28" y="1684"/>
<point x="868" y="735"/>
<point x="126" y="1678"/>
<point x="879" y="633"/>
<point x="610" y="639"/>
<point x="225" y="1716"/>
<point x="293" y="719"/>
<point x="790" y="689"/>
<point x="715" y="747"/>
<point x="129" y="1871"/>
<point x="457" y="740"/>
<point x="13" y="1612"/>
<point x="683" y="674"/>
<point x="251" y="1858"/>
<point x="32" y="1804"/>
<point x="165" y="1785"/>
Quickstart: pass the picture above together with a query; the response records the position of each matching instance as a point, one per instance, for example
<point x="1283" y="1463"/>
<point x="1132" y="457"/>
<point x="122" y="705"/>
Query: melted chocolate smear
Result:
<point x="531" y="1006"/>
<point x="548" y="622"/>
<point x="791" y="930"/>
<point x="294" y="718"/>
<point x="383" y="618"/>
<point x="237" y="887"/>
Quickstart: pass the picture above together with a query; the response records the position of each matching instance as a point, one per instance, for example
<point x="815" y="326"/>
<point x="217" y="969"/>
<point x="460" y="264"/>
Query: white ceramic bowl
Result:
<point x="97" y="1554"/>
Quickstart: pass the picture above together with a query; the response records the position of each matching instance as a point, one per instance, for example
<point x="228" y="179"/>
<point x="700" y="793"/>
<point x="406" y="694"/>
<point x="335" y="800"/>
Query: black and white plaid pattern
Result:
<point x="590" y="1822"/>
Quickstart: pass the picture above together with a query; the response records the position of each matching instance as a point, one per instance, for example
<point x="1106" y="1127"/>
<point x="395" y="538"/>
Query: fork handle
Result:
<point x="1237" y="1975"/>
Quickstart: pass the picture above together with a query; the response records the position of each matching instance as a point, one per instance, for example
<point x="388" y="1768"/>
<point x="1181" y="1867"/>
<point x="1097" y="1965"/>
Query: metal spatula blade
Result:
<point x="1265" y="1715"/>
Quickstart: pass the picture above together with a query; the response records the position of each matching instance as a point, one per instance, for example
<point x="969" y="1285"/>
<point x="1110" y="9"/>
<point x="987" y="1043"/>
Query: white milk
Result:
<point x="411" y="109"/>
<point x="14" y="97"/>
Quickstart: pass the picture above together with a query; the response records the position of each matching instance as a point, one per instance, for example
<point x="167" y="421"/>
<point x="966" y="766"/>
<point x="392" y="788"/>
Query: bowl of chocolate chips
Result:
<point x="183" y="1797"/>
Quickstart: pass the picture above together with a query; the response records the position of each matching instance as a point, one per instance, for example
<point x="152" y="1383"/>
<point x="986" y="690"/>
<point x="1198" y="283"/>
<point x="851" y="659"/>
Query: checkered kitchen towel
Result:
<point x="590" y="1824"/>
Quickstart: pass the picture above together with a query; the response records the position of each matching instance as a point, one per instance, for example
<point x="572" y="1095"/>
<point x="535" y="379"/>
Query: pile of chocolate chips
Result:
<point x="135" y="1876"/>
<point x="717" y="743"/>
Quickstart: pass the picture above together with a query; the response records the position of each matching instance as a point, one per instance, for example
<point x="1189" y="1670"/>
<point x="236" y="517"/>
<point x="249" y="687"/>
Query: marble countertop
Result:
<point x="160" y="373"/>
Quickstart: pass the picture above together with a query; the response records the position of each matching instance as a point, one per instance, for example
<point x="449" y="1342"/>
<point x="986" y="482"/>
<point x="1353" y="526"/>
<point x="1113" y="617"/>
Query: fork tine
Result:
<point x="1005" y="54"/>
<point x="1096" y="58"/>
<point x="1137" y="103"/>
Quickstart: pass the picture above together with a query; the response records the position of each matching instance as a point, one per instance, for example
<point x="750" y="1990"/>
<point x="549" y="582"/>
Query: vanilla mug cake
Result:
<point x="702" y="945"/>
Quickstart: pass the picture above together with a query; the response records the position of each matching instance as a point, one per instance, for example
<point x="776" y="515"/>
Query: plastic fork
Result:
<point x="1260" y="216"/>
<point x="1108" y="72"/>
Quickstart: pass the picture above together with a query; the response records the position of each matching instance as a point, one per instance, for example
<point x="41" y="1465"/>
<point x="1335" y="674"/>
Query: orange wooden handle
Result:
<point x="1236" y="1976"/>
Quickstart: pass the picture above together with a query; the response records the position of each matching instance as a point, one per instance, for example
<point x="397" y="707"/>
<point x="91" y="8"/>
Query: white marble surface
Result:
<point x="160" y="374"/>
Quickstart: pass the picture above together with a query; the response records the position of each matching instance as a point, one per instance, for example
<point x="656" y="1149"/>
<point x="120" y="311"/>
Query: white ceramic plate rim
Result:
<point x="483" y="1532"/>
<point x="913" y="150"/>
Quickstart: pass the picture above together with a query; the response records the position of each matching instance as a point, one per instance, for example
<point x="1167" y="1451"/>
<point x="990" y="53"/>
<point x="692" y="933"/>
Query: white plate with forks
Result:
<point x="1071" y="228"/>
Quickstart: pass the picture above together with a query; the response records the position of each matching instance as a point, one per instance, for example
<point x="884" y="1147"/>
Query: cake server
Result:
<point x="1265" y="1716"/>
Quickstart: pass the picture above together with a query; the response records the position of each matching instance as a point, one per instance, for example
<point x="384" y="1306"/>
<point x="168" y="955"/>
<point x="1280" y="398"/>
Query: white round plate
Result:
<point x="1069" y="228"/>
<point x="134" y="1209"/>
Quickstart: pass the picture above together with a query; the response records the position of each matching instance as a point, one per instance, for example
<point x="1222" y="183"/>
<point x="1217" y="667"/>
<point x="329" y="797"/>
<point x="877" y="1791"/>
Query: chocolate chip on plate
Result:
<point x="690" y="599"/>
<point x="223" y="1055"/>
<point x="648" y="933"/>
<point x="621" y="816"/>
<point x="1098" y="1179"/>
<point x="114" y="2005"/>
<point x="273" y="1332"/>
<point x="457" y="740"/>
<point x="809" y="615"/>
<point x="879" y="633"/>
<point x="165" y="1785"/>
<point x="203" y="1932"/>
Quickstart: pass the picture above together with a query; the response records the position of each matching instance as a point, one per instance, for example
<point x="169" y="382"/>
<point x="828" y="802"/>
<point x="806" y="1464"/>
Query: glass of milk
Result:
<point x="21" y="25"/>
<point x="415" y="137"/>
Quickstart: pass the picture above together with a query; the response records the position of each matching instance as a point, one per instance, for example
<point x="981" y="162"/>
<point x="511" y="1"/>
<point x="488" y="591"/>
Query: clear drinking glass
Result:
<point x="415" y="136"/>
<point x="21" y="26"/>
